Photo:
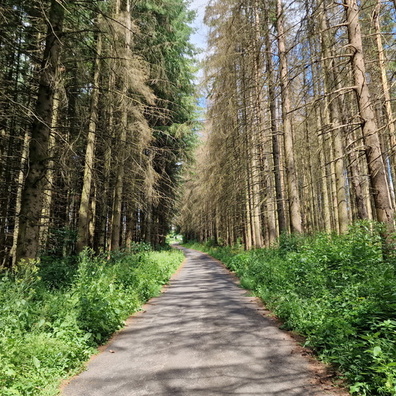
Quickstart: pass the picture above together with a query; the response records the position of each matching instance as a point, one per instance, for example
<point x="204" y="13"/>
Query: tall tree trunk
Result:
<point x="391" y="136"/>
<point x="377" y="171"/>
<point x="105" y="216"/>
<point x="332" y="116"/>
<point x="324" y="173"/>
<point x="125" y="16"/>
<point x="28" y="243"/>
<point x="309" y="201"/>
<point x="24" y="158"/>
<point x="257" y="130"/>
<point x="48" y="192"/>
<point x="274" y="134"/>
<point x="291" y="174"/>
<point x="85" y="215"/>
<point x="358" y="178"/>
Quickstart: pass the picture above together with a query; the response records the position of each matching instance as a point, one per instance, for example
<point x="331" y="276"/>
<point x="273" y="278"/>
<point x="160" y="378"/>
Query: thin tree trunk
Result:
<point x="48" y="192"/>
<point x="92" y="210"/>
<point x="257" y="133"/>
<point x="125" y="15"/>
<point x="275" y="137"/>
<point x="391" y="137"/>
<point x="104" y="228"/>
<point x="291" y="174"/>
<point x="325" y="178"/>
<point x="84" y="214"/>
<point x="309" y="200"/>
<point x="332" y="117"/>
<point x="21" y="176"/>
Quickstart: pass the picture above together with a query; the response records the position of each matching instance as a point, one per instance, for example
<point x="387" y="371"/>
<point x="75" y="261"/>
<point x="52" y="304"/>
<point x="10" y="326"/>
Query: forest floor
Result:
<point x="204" y="335"/>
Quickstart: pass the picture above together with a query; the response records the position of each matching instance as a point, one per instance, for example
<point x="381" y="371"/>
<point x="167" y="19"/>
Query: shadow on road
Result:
<point x="202" y="336"/>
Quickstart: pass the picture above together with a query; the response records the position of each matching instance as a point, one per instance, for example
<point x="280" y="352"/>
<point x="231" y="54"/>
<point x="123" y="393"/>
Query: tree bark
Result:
<point x="28" y="244"/>
<point x="332" y="116"/>
<point x="291" y="174"/>
<point x="274" y="135"/>
<point x="125" y="17"/>
<point x="391" y="136"/>
<point x="50" y="177"/>
<point x="85" y="215"/>
<point x="377" y="172"/>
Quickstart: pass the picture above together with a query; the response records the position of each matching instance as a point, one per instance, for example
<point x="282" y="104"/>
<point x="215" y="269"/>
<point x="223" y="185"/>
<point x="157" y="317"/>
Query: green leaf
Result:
<point x="36" y="362"/>
<point x="377" y="351"/>
<point x="41" y="323"/>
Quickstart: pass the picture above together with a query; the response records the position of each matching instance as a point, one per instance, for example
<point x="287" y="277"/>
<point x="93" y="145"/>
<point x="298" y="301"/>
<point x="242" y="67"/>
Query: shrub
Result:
<point x="337" y="291"/>
<point x="50" y="326"/>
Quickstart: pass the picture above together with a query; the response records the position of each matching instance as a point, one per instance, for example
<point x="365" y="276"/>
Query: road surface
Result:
<point x="203" y="336"/>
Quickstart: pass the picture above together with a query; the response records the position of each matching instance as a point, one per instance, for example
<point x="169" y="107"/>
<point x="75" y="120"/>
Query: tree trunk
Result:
<point x="358" y="178"/>
<point x="124" y="16"/>
<point x="85" y="215"/>
<point x="28" y="243"/>
<point x="332" y="116"/>
<point x="48" y="192"/>
<point x="391" y="136"/>
<point x="24" y="157"/>
<point x="274" y="136"/>
<point x="377" y="172"/>
<point x="291" y="174"/>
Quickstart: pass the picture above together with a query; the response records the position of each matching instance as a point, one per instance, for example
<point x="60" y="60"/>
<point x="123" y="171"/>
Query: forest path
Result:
<point x="203" y="336"/>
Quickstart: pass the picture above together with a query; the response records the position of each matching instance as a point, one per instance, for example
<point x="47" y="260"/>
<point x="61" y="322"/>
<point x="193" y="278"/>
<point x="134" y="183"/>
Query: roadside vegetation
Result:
<point x="339" y="291"/>
<point x="55" y="313"/>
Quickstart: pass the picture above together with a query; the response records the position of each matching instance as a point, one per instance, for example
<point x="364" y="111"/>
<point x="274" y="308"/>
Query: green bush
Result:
<point x="50" y="326"/>
<point x="337" y="291"/>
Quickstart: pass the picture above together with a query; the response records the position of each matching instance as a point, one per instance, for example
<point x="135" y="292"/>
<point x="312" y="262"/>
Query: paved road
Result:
<point x="203" y="336"/>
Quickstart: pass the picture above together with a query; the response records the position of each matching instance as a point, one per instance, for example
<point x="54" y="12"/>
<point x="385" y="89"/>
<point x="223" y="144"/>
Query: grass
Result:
<point x="55" y="313"/>
<point x="337" y="291"/>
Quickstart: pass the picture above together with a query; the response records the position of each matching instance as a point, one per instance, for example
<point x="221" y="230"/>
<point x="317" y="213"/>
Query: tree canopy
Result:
<point x="97" y="116"/>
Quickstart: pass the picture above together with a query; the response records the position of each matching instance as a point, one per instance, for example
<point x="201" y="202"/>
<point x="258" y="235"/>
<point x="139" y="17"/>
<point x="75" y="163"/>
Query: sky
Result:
<point x="199" y="37"/>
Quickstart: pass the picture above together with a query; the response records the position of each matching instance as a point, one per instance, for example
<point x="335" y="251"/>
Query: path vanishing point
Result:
<point x="203" y="336"/>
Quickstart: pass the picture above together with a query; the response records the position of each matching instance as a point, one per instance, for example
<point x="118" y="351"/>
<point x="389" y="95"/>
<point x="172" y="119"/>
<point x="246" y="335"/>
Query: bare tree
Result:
<point x="291" y="172"/>
<point x="379" y="183"/>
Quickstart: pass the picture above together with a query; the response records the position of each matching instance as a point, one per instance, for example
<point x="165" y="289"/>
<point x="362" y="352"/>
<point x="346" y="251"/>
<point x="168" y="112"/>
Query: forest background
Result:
<point x="99" y="157"/>
<point x="97" y="114"/>
<point x="294" y="183"/>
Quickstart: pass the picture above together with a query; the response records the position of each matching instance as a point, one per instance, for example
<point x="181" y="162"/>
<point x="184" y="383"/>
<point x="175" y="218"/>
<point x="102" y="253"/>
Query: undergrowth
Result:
<point x="337" y="291"/>
<point x="54" y="313"/>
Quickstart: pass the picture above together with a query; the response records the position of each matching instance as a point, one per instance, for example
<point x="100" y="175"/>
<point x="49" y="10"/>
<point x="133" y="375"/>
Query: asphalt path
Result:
<point x="203" y="336"/>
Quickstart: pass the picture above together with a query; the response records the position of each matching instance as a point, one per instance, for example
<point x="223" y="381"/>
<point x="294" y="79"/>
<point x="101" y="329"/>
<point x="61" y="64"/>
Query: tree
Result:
<point x="379" y="183"/>
<point x="291" y="175"/>
<point x="32" y="193"/>
<point x="84" y="211"/>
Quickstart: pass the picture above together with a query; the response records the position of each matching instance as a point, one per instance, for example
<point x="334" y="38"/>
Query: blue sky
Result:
<point x="199" y="37"/>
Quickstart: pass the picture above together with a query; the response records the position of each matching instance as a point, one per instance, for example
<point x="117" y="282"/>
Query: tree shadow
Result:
<point x="202" y="336"/>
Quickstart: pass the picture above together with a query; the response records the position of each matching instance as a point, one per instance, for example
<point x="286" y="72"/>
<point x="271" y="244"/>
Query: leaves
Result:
<point x="337" y="291"/>
<point x="47" y="333"/>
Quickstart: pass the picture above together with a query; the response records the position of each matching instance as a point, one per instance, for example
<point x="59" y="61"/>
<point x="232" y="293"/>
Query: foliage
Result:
<point x="129" y="67"/>
<point x="174" y="237"/>
<point x="50" y="325"/>
<point x="337" y="291"/>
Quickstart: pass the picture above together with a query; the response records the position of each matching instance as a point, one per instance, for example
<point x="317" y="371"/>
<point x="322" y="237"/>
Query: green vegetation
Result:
<point x="174" y="237"/>
<point x="56" y="312"/>
<point x="337" y="291"/>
